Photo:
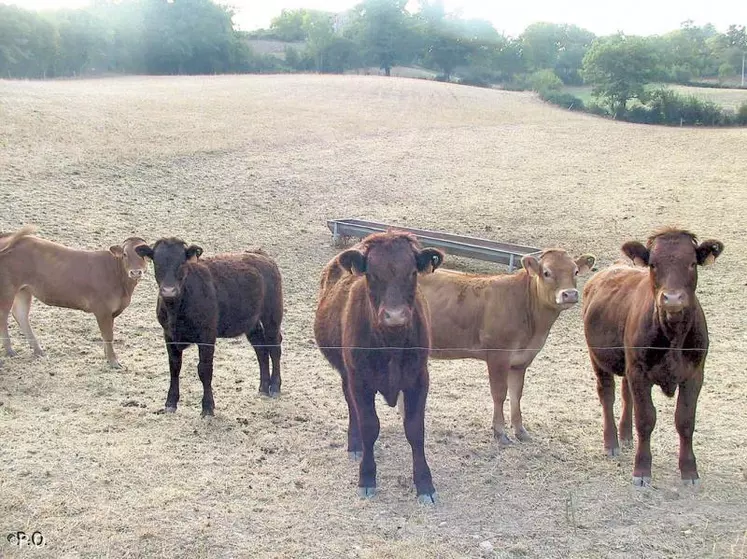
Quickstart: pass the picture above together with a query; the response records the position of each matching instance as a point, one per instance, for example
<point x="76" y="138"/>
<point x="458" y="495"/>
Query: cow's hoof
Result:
<point x="11" y="352"/>
<point x="626" y="443"/>
<point x="207" y="413"/>
<point x="366" y="492"/>
<point x="641" y="481"/>
<point x="612" y="452"/>
<point x="522" y="435"/>
<point x="274" y="392"/>
<point x="426" y="499"/>
<point x="355" y="456"/>
<point x="503" y="439"/>
<point x="115" y="365"/>
<point x="170" y="409"/>
<point x="39" y="353"/>
<point x="691" y="482"/>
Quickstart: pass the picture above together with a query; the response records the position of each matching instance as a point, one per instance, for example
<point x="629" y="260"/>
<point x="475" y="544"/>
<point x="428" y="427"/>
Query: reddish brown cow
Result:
<point x="99" y="282"/>
<point x="645" y="324"/>
<point x="503" y="320"/>
<point x="372" y="326"/>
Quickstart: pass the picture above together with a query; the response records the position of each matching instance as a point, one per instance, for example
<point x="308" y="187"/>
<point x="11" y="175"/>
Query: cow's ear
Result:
<point x="636" y="252"/>
<point x="117" y="251"/>
<point x="708" y="251"/>
<point x="429" y="259"/>
<point x="144" y="251"/>
<point x="353" y="260"/>
<point x="193" y="252"/>
<point x="585" y="263"/>
<point x="531" y="264"/>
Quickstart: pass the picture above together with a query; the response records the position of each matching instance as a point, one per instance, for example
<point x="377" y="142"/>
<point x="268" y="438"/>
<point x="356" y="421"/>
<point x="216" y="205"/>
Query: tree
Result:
<point x="380" y="29"/>
<point x="618" y="67"/>
<point x="557" y="47"/>
<point x="318" y="28"/>
<point x="289" y="26"/>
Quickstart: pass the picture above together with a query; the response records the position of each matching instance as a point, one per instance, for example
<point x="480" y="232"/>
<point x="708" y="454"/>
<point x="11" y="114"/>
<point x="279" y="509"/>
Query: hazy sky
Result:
<point x="511" y="17"/>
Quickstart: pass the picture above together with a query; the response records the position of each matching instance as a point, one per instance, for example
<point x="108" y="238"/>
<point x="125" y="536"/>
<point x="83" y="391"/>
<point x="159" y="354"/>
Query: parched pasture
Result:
<point x="236" y="162"/>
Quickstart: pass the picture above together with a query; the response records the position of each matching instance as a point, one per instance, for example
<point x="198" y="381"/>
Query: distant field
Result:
<point x="233" y="162"/>
<point x="728" y="98"/>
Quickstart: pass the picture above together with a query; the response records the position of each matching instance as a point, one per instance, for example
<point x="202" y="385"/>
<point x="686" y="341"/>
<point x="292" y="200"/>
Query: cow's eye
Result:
<point x="546" y="273"/>
<point x="576" y="272"/>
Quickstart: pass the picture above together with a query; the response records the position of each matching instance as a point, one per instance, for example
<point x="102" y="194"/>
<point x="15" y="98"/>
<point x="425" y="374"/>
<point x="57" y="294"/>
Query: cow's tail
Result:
<point x="7" y="241"/>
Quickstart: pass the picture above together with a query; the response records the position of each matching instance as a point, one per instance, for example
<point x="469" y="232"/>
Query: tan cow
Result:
<point x="99" y="282"/>
<point x="503" y="320"/>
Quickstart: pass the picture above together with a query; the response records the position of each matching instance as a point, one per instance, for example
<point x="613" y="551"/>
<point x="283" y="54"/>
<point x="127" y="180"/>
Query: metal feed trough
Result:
<point x="457" y="245"/>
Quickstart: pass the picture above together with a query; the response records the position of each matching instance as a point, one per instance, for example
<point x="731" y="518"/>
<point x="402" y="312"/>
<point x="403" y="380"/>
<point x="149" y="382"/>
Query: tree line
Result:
<point x="198" y="37"/>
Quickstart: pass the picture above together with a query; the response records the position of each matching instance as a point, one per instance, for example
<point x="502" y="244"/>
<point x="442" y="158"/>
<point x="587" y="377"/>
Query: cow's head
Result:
<point x="555" y="273"/>
<point x="168" y="255"/>
<point x="672" y="257"/>
<point x="390" y="263"/>
<point x="134" y="264"/>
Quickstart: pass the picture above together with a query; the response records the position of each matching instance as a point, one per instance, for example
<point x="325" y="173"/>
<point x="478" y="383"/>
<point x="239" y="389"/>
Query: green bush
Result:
<point x="562" y="99"/>
<point x="545" y="80"/>
<point x="741" y="116"/>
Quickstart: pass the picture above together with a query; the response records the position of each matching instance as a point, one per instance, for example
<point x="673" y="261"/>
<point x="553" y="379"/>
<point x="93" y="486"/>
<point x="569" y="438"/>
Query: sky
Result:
<point x="638" y="17"/>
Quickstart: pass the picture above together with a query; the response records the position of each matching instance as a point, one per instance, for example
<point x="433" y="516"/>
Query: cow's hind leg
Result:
<point x="5" y="306"/>
<point x="258" y="340"/>
<point x="205" y="372"/>
<point x="106" y="326"/>
<point x="414" y="420"/>
<point x="684" y="417"/>
<point x="274" y="340"/>
<point x="515" y="390"/>
<point x="606" y="393"/>
<point x="626" y="419"/>
<point x="498" y="373"/>
<point x="21" y="310"/>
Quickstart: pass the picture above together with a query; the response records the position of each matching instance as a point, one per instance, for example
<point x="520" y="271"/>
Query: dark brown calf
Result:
<point x="372" y="326"/>
<point x="644" y="323"/>
<point x="224" y="296"/>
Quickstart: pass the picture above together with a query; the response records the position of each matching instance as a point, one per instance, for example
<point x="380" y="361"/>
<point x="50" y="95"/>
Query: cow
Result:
<point x="372" y="326"/>
<point x="643" y="322"/>
<point x="100" y="282"/>
<point x="223" y="296"/>
<point x="504" y="320"/>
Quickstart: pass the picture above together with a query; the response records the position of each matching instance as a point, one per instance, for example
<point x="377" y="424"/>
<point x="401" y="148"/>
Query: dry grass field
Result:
<point x="236" y="162"/>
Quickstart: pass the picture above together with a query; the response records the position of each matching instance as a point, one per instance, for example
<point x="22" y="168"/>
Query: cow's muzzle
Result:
<point x="169" y="291"/>
<point x="566" y="297"/>
<point x="136" y="274"/>
<point x="673" y="301"/>
<point x="395" y="317"/>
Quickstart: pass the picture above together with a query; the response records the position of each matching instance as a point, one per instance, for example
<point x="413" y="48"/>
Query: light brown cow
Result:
<point x="99" y="282"/>
<point x="503" y="320"/>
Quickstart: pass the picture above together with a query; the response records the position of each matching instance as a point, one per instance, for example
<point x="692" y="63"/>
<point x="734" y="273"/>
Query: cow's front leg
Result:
<point x="174" y="351"/>
<point x="355" y="447"/>
<point x="644" y="414"/>
<point x="684" y="418"/>
<point x="414" y="421"/>
<point x="106" y="326"/>
<point x="515" y="390"/>
<point x="368" y="423"/>
<point x="498" y="373"/>
<point x="205" y="372"/>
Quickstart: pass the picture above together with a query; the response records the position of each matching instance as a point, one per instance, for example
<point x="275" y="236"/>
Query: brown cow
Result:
<point x="503" y="320"/>
<point x="372" y="326"/>
<point x="99" y="282"/>
<point x="645" y="324"/>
